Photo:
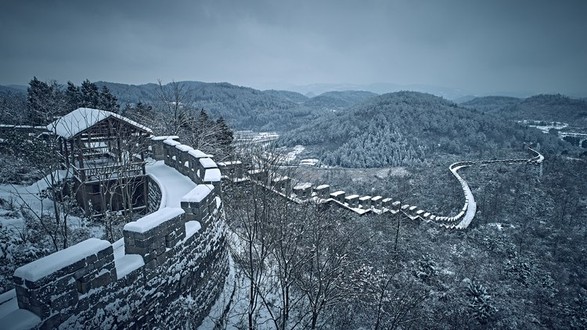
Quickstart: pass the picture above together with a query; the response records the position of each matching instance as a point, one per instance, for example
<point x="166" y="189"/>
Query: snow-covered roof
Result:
<point x="81" y="119"/>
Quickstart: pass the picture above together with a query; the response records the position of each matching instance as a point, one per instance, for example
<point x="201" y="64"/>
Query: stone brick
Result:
<point x="67" y="299"/>
<point x="52" y="322"/>
<point x="102" y="280"/>
<point x="108" y="252"/>
<point x="83" y="286"/>
<point x="32" y="285"/>
<point x="17" y="280"/>
<point x="75" y="266"/>
<point x="81" y="273"/>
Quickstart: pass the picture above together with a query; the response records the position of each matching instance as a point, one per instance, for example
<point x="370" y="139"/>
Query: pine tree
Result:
<point x="107" y="101"/>
<point x="203" y="119"/>
<point x="90" y="94"/>
<point x="224" y="134"/>
<point x="39" y="100"/>
<point x="73" y="96"/>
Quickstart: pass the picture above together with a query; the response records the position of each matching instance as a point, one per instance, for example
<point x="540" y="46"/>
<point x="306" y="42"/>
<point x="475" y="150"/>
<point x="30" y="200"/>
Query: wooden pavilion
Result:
<point x="106" y="155"/>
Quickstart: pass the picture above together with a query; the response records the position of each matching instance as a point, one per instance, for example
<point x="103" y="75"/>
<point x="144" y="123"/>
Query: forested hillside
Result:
<point x="338" y="100"/>
<point x="540" y="107"/>
<point x="287" y="95"/>
<point x="492" y="104"/>
<point x="245" y="107"/>
<point x="405" y="128"/>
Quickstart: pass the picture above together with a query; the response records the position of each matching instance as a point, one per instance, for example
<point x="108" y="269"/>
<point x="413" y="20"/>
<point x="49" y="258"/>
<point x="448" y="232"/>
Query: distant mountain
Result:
<point x="12" y="89"/>
<point x="241" y="107"/>
<point x="287" y="95"/>
<point x="464" y="99"/>
<point x="380" y="88"/>
<point x="338" y="100"/>
<point x="131" y="93"/>
<point x="245" y="107"/>
<point x="546" y="107"/>
<point x="407" y="128"/>
<point x="492" y="104"/>
<point x="280" y="110"/>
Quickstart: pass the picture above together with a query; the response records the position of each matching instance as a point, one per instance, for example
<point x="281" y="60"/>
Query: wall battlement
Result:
<point x="171" y="252"/>
<point x="371" y="204"/>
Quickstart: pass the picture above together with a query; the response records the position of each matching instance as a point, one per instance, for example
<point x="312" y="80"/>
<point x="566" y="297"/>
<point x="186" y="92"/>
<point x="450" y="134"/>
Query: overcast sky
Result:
<point x="482" y="46"/>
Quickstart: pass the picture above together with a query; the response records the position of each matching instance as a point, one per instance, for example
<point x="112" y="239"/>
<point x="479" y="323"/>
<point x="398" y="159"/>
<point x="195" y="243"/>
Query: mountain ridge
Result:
<point x="407" y="128"/>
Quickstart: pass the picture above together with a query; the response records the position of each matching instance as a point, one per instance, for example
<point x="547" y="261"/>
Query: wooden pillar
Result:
<point x="80" y="157"/>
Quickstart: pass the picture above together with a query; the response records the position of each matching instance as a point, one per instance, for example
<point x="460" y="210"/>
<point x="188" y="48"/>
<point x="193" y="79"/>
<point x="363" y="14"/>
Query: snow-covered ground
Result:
<point x="31" y="197"/>
<point x="173" y="184"/>
<point x="472" y="205"/>
<point x="544" y="126"/>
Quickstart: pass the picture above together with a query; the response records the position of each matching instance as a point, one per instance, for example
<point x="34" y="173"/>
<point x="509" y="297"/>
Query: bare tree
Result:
<point x="55" y="186"/>
<point x="173" y="98"/>
<point x="323" y="276"/>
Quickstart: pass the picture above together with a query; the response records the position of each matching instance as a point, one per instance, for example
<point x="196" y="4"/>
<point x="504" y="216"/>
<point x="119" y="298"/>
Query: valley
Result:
<point x="522" y="251"/>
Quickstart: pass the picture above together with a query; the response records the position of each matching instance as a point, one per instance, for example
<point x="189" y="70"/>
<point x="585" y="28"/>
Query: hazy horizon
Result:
<point x="483" y="48"/>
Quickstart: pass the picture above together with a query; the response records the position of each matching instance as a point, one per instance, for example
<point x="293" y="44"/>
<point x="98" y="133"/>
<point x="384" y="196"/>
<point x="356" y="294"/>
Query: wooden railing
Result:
<point x="109" y="171"/>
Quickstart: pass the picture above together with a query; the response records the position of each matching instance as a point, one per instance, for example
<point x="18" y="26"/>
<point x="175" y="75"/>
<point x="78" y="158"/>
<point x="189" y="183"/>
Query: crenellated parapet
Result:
<point x="179" y="249"/>
<point x="193" y="163"/>
<point x="55" y="284"/>
<point x="365" y="204"/>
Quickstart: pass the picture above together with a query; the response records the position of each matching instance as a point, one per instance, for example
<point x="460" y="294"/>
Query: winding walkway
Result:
<point x="378" y="204"/>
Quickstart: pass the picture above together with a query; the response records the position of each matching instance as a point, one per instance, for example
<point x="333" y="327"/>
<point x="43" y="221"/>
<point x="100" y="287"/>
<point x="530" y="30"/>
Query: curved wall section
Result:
<point x="178" y="250"/>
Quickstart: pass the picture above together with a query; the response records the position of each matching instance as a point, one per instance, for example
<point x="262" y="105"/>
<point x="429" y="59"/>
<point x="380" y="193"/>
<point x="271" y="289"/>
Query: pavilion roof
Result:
<point x="81" y="119"/>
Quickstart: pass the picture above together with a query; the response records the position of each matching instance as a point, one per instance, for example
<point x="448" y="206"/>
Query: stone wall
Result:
<point x="172" y="253"/>
<point x="371" y="204"/>
<point x="153" y="195"/>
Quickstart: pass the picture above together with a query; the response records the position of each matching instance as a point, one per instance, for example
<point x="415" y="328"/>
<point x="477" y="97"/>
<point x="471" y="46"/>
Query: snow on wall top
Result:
<point x="164" y="137"/>
<point x="81" y="119"/>
<point x="198" y="154"/>
<point x="212" y="175"/>
<point x="183" y="147"/>
<point x="207" y="163"/>
<point x="304" y="185"/>
<point x="198" y="194"/>
<point x="172" y="183"/>
<point x="228" y="163"/>
<point x="171" y="142"/>
<point x="153" y="220"/>
<point x="50" y="264"/>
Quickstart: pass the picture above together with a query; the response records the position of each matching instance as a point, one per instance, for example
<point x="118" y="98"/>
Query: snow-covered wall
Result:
<point x="188" y="161"/>
<point x="172" y="253"/>
<point x="370" y="204"/>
